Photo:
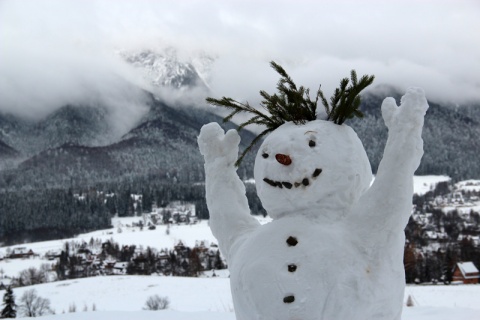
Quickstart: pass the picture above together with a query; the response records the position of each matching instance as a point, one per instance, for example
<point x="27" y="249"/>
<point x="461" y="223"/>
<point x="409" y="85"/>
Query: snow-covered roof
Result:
<point x="120" y="265"/>
<point x="467" y="269"/>
<point x="468" y="185"/>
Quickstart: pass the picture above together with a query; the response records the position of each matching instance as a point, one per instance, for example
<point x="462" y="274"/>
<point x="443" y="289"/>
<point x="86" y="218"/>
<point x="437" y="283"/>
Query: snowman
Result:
<point x="334" y="249"/>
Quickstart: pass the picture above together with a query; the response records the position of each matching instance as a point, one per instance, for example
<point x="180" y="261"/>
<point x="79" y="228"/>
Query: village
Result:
<point x="443" y="234"/>
<point x="442" y="241"/>
<point x="106" y="257"/>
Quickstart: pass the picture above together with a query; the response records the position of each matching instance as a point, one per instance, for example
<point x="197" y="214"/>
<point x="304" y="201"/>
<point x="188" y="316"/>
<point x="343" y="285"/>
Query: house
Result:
<point x="120" y="267"/>
<point x="466" y="272"/>
<point x="21" y="252"/>
<point x="53" y="254"/>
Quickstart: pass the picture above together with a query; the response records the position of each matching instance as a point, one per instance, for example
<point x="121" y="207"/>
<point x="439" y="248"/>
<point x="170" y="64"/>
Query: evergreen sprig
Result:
<point x="292" y="103"/>
<point x="345" y="102"/>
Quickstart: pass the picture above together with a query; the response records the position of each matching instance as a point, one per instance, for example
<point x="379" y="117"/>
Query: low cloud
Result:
<point x="59" y="52"/>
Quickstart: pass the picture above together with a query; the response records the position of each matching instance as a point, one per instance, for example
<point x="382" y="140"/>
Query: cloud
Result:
<point x="58" y="52"/>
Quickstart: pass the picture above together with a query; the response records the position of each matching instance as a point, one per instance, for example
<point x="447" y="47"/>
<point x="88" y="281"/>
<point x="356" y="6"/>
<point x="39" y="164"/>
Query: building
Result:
<point x="466" y="272"/>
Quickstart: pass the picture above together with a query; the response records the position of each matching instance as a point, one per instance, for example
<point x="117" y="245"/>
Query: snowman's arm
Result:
<point x="388" y="202"/>
<point x="227" y="203"/>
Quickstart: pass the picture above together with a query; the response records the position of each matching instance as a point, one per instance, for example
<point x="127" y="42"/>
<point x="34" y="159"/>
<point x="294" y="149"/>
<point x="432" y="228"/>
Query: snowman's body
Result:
<point x="334" y="249"/>
<point x="323" y="273"/>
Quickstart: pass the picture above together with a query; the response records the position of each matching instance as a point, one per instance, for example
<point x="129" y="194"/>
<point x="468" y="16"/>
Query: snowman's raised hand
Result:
<point x="410" y="114"/>
<point x="226" y="200"/>
<point x="393" y="183"/>
<point x="217" y="146"/>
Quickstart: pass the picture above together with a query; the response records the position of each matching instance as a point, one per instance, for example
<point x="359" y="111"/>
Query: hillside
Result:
<point x="450" y="137"/>
<point x="70" y="153"/>
<point x="76" y="146"/>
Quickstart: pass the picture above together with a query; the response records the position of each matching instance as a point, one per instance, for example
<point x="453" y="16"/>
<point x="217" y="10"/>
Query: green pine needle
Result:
<point x="292" y="103"/>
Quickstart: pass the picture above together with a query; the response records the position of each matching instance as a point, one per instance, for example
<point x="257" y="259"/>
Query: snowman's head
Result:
<point x="319" y="168"/>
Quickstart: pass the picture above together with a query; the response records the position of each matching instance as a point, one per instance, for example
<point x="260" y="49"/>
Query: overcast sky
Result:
<point x="55" y="52"/>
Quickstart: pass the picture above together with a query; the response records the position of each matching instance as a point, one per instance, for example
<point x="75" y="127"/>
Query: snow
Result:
<point x="423" y="184"/>
<point x="335" y="239"/>
<point x="158" y="238"/>
<point x="468" y="185"/>
<point x="467" y="267"/>
<point x="11" y="267"/>
<point x="123" y="297"/>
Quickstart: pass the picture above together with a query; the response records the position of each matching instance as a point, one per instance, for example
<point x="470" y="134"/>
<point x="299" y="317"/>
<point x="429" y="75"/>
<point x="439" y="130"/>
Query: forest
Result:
<point x="37" y="215"/>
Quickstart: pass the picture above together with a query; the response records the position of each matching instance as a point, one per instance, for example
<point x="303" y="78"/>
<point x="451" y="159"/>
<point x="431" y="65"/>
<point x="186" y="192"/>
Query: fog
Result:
<point x="58" y="52"/>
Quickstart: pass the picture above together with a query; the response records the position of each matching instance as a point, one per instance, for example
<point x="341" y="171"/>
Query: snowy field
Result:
<point x="123" y="297"/>
<point x="423" y="184"/>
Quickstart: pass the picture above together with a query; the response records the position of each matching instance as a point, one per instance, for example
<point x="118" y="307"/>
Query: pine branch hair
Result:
<point x="293" y="104"/>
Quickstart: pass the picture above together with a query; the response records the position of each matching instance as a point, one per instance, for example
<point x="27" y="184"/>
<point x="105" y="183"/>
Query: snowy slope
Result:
<point x="123" y="297"/>
<point x="423" y="184"/>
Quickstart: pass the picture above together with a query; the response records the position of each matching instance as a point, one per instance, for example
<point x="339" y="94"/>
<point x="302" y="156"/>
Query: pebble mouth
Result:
<point x="304" y="182"/>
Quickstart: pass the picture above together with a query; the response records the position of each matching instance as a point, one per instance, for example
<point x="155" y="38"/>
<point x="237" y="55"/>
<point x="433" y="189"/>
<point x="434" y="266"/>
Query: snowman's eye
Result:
<point x="312" y="143"/>
<point x="265" y="155"/>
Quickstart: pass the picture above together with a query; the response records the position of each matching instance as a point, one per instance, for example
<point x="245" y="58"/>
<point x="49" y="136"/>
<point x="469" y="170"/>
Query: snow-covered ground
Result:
<point x="123" y="297"/>
<point x="423" y="184"/>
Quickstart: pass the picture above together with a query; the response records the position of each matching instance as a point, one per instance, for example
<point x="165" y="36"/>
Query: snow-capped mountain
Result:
<point x="167" y="69"/>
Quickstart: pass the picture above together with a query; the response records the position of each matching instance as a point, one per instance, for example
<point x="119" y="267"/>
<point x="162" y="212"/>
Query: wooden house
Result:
<point x="466" y="272"/>
<point x="20" y="253"/>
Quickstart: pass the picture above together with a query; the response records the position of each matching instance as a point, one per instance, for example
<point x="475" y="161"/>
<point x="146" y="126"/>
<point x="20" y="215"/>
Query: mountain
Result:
<point x="8" y="155"/>
<point x="450" y="137"/>
<point x="79" y="125"/>
<point x="166" y="69"/>
<point x="162" y="147"/>
<point x="74" y="146"/>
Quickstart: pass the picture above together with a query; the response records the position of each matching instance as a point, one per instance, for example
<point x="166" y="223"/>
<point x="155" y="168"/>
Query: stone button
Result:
<point x="292" y="268"/>
<point x="292" y="241"/>
<point x="289" y="299"/>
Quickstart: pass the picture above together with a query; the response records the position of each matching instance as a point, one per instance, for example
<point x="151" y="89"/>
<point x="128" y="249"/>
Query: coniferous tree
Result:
<point x="10" y="308"/>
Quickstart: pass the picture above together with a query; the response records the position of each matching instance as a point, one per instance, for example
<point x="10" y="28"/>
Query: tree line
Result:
<point x="45" y="214"/>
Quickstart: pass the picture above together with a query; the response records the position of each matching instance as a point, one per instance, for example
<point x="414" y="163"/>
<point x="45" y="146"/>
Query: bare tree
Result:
<point x="156" y="302"/>
<point x="46" y="273"/>
<point x="72" y="307"/>
<point x="30" y="277"/>
<point x="34" y="306"/>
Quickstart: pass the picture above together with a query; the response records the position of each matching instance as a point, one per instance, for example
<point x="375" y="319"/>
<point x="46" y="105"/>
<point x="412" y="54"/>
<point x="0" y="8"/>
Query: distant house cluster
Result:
<point x="108" y="258"/>
<point x="444" y="230"/>
<point x="18" y="253"/>
<point x="95" y="258"/>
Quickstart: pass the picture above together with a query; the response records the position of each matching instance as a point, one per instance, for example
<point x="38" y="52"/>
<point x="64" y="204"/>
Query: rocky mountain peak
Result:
<point x="167" y="69"/>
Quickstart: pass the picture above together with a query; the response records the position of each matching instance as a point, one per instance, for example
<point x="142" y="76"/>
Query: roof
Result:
<point x="468" y="270"/>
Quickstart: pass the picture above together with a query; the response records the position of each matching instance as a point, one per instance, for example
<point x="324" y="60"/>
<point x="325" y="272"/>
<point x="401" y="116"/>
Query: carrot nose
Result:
<point x="283" y="159"/>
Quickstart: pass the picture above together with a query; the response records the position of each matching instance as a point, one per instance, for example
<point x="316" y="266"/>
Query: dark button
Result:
<point x="317" y="172"/>
<point x="292" y="241"/>
<point x="289" y="299"/>
<point x="292" y="268"/>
